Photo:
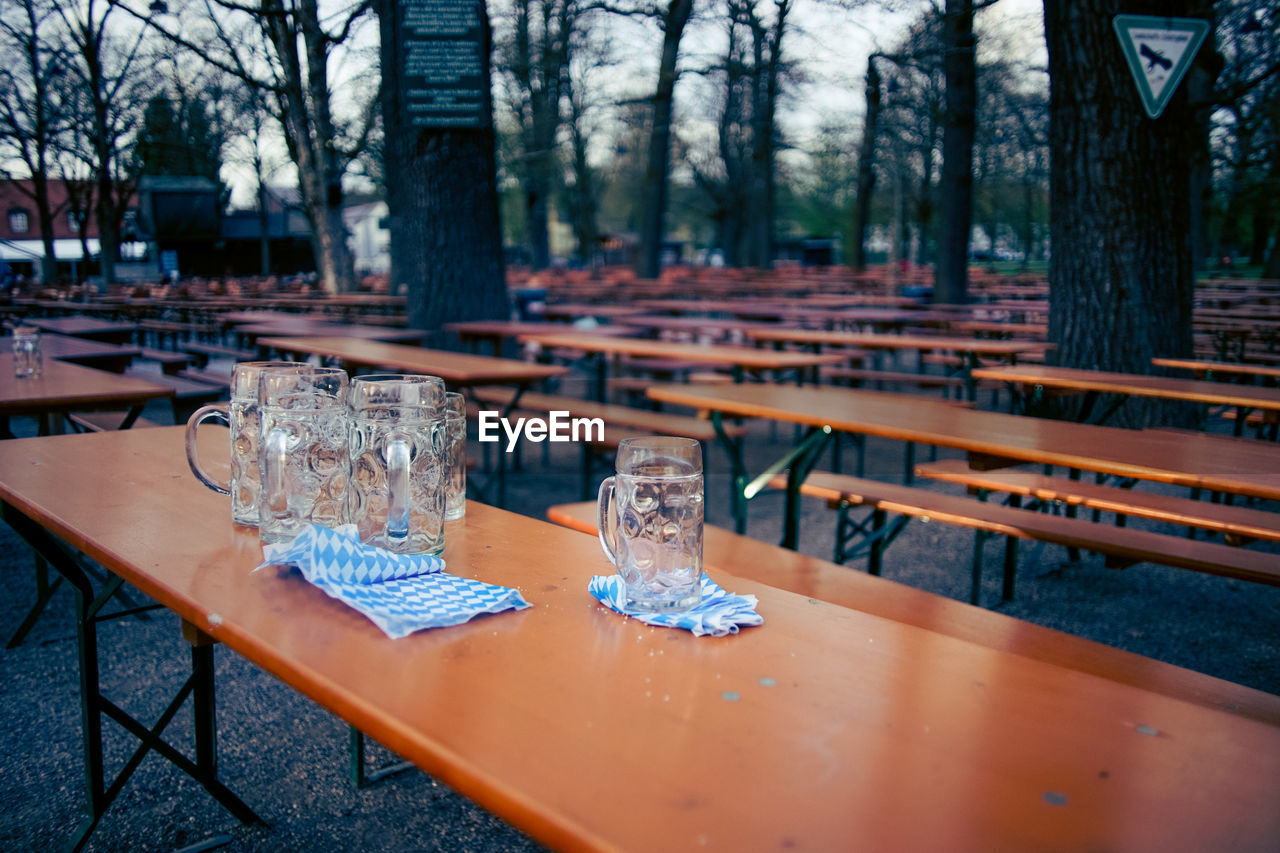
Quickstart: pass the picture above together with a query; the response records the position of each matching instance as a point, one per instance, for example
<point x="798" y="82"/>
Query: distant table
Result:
<point x="1191" y="460"/>
<point x="1208" y="368"/>
<point x="710" y="328"/>
<point x="473" y="333"/>
<point x="969" y="349"/>
<point x="1091" y="383"/>
<point x="457" y="369"/>
<point x="1000" y="330"/>
<point x="63" y="387"/>
<point x="741" y="360"/>
<point x="250" y="317"/>
<point x="86" y="352"/>
<point x="576" y="311"/>
<point x="85" y="327"/>
<point x="314" y="329"/>
<point x="826" y="728"/>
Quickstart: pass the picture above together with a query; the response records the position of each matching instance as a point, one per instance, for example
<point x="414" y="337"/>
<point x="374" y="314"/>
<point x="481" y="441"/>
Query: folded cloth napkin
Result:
<point x="401" y="593"/>
<point x="717" y="614"/>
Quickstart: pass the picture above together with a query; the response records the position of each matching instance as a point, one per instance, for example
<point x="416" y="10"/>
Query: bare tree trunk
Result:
<point x="866" y="180"/>
<point x="1122" y="269"/>
<point x="442" y="196"/>
<point x="583" y="206"/>
<point x="955" y="188"/>
<point x="108" y="233"/>
<point x="1272" y="269"/>
<point x="654" y="202"/>
<point x="768" y="67"/>
<point x="264" y="222"/>
<point x="309" y="132"/>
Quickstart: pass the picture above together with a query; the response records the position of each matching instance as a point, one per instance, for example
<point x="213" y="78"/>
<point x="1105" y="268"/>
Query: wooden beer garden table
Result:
<point x="741" y="360"/>
<point x="1091" y="383"/>
<point x="63" y="387"/>
<point x="1230" y="368"/>
<point x="971" y="350"/>
<point x="304" y="327"/>
<point x="494" y="332"/>
<point x="458" y="370"/>
<point x="86" y="352"/>
<point x="1192" y="460"/>
<point x="89" y="328"/>
<point x="826" y="728"/>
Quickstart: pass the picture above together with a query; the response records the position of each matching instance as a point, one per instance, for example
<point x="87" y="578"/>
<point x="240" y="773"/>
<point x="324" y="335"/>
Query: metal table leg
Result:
<point x="89" y="604"/>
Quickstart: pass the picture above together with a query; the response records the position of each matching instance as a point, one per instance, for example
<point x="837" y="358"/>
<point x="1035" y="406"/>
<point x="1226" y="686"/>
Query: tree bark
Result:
<point x="768" y="56"/>
<point x="442" y="199"/>
<point x="955" y="188"/>
<point x="648" y="262"/>
<point x="1121" y="272"/>
<point x="309" y="134"/>
<point x="866" y="180"/>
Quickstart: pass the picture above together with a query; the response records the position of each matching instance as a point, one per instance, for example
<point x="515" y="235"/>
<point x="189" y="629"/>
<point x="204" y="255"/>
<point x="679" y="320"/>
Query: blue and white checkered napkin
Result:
<point x="401" y="593"/>
<point x="717" y="614"/>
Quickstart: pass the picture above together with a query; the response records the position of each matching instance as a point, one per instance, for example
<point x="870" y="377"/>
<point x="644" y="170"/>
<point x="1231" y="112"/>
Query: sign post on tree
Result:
<point x="1159" y="52"/>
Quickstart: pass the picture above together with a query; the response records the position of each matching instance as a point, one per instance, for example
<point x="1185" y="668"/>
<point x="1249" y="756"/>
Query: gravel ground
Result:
<point x="287" y="757"/>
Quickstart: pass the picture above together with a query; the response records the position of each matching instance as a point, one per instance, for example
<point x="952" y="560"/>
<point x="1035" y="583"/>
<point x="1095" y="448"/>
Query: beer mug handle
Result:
<point x="398" y="458"/>
<point x="604" y="530"/>
<point x="274" y="501"/>
<point x="216" y="412"/>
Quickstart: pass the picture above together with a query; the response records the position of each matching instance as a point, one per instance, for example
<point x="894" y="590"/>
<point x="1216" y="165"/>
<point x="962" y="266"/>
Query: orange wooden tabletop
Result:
<point x="878" y="340"/>
<point x="826" y="728"/>
<point x="1192" y="460"/>
<point x="746" y="357"/>
<point x="1203" y="366"/>
<point x="455" y="368"/>
<point x="62" y="386"/>
<point x="1134" y="384"/>
<point x="816" y="578"/>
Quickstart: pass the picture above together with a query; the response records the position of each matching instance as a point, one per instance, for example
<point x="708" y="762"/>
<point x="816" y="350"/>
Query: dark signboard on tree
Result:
<point x="442" y="79"/>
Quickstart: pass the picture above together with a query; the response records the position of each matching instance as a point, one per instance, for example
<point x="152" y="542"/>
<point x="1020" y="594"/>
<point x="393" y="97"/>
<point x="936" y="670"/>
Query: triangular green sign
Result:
<point x="1159" y="52"/>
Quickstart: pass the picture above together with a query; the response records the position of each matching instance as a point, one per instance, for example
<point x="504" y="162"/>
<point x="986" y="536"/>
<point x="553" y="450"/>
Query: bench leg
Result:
<point x="876" y="556"/>
<point x="975" y="591"/>
<point x="1010" y="555"/>
<point x="360" y="777"/>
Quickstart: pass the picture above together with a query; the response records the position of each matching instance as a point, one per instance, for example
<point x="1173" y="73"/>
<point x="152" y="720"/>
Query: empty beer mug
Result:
<point x="240" y="416"/>
<point x="655" y="535"/>
<point x="302" y="451"/>
<point x="455" y="455"/>
<point x="28" y="361"/>
<point x="396" y="450"/>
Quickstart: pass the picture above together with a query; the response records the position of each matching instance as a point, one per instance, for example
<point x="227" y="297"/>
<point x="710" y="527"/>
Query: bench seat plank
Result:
<point x="1139" y="546"/>
<point x="1223" y="518"/>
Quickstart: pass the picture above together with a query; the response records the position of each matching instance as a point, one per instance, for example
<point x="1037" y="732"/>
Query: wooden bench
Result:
<point x="105" y="421"/>
<point x="820" y="580"/>
<point x="166" y="331"/>
<point x="619" y="422"/>
<point x="870" y="377"/>
<point x="203" y="352"/>
<point x="188" y="394"/>
<point x="635" y="386"/>
<point x="1120" y="546"/>
<point x="1235" y="523"/>
<point x="170" y="362"/>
